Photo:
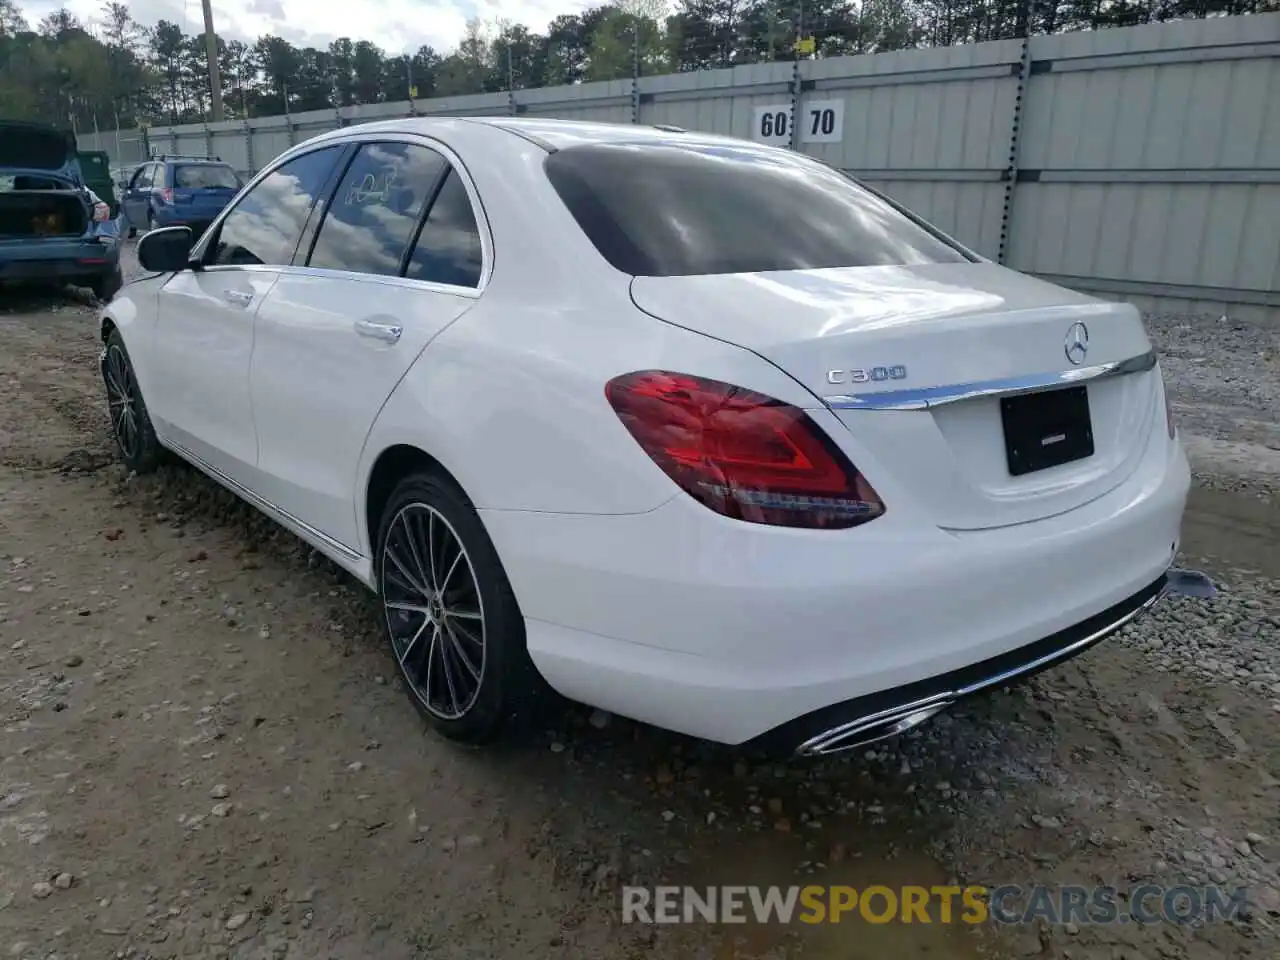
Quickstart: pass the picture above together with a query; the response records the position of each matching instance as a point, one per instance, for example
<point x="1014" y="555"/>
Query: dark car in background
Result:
<point x="172" y="191"/>
<point x="53" y="227"/>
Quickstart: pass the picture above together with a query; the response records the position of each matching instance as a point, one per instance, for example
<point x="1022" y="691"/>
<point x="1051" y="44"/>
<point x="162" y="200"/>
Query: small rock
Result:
<point x="355" y="766"/>
<point x="1243" y="848"/>
<point x="557" y="746"/>
<point x="42" y="890"/>
<point x="63" y="881"/>
<point x="1255" y="838"/>
<point x="236" y="921"/>
<point x="1072" y="927"/>
<point x="599" y="719"/>
<point x="470" y="841"/>
<point x="449" y="845"/>
<point x="220" y="792"/>
<point x="668" y="815"/>
<point x="1046" y="823"/>
<point x="222" y="809"/>
<point x="74" y="660"/>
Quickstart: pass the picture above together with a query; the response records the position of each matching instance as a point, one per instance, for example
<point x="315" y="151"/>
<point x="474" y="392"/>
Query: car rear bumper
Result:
<point x="59" y="262"/>
<point x="728" y="630"/>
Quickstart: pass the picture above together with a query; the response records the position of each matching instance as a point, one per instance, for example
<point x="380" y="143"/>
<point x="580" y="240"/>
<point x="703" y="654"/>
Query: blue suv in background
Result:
<point x="169" y="191"/>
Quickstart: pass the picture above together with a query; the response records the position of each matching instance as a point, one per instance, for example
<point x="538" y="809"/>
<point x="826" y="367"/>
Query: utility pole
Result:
<point x="211" y="51"/>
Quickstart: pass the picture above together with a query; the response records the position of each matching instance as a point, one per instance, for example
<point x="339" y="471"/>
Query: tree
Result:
<point x="12" y="22"/>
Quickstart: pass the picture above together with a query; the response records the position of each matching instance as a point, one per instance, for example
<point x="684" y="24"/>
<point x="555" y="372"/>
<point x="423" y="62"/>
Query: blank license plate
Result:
<point x="1047" y="429"/>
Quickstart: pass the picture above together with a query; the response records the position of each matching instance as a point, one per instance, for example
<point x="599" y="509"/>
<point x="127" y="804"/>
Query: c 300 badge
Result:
<point x="867" y="374"/>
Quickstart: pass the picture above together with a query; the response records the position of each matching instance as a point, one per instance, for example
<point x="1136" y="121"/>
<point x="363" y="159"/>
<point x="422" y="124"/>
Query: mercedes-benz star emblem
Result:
<point x="1077" y="346"/>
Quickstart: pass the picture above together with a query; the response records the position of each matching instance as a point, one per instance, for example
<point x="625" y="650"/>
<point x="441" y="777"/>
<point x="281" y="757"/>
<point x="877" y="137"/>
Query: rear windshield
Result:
<point x="658" y="210"/>
<point x="196" y="176"/>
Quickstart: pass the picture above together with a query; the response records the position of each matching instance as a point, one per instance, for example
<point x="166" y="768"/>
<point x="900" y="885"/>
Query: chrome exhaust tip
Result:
<point x="869" y="730"/>
<point x="1190" y="583"/>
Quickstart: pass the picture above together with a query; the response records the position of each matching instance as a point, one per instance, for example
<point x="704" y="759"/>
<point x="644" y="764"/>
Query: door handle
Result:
<point x="386" y="332"/>
<point x="240" y="298"/>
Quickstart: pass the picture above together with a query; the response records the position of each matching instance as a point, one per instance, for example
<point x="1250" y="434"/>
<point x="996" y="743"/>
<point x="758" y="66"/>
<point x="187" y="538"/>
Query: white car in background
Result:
<point x="697" y="431"/>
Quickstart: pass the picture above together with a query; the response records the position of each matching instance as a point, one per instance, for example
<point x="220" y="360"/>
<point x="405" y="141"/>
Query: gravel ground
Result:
<point x="203" y="754"/>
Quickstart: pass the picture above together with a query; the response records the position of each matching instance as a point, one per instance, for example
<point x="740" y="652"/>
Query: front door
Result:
<point x="205" y="334"/>
<point x="137" y="197"/>
<point x="336" y="336"/>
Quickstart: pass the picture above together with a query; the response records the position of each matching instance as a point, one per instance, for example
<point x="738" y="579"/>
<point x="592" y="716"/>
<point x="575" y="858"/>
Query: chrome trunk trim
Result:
<point x="925" y="398"/>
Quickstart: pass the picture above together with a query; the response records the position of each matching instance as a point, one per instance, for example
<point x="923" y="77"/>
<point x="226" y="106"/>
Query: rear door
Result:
<point x="338" y="332"/>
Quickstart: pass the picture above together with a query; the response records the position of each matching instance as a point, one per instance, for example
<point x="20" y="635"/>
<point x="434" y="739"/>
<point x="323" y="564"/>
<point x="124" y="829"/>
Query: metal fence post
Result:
<point x="797" y="78"/>
<point x="635" y="71"/>
<point x="1010" y="175"/>
<point x="248" y="147"/>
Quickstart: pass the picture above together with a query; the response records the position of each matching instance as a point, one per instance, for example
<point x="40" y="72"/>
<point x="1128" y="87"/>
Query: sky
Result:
<point x="398" y="26"/>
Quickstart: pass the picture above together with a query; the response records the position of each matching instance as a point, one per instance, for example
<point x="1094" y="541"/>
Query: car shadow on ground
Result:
<point x="39" y="298"/>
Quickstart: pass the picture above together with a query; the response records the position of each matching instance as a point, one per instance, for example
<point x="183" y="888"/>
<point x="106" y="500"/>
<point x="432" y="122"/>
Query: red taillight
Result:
<point x="741" y="453"/>
<point x="166" y="194"/>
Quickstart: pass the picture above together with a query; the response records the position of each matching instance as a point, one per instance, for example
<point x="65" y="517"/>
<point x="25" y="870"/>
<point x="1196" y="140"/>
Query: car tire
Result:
<point x="106" y="287"/>
<point x="448" y="614"/>
<point x="135" y="437"/>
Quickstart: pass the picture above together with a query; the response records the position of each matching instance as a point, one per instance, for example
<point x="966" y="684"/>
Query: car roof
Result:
<point x="551" y="135"/>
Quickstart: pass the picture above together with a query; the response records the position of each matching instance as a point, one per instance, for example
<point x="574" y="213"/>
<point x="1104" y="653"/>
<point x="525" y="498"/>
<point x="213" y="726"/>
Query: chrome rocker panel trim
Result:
<point x="925" y="398"/>
<point x="881" y="724"/>
<point x="296" y="526"/>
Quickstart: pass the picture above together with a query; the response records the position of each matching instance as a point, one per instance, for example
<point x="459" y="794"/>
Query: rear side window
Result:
<point x="448" y="249"/>
<point x="198" y="176"/>
<point x="264" y="227"/>
<point x="661" y="210"/>
<point x="376" y="208"/>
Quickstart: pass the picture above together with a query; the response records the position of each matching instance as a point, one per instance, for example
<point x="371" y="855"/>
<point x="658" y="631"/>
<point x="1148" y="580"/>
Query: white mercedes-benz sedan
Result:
<point x="697" y="431"/>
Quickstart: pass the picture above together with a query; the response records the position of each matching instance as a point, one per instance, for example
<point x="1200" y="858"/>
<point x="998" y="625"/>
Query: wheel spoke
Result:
<point x="431" y="659"/>
<point x="448" y="673"/>
<point x="413" y="548"/>
<point x="414" y="641"/>
<point x="464" y="614"/>
<point x="462" y="657"/>
<point x="462" y="630"/>
<point x="431" y="546"/>
<point x="444" y="584"/>
<point x="408" y="607"/>
<point x="404" y="571"/>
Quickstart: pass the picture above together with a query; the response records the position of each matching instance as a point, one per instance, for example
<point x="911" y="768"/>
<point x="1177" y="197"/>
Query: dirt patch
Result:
<point x="205" y="753"/>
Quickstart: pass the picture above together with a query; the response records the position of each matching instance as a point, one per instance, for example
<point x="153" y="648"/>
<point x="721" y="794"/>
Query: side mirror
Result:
<point x="166" y="250"/>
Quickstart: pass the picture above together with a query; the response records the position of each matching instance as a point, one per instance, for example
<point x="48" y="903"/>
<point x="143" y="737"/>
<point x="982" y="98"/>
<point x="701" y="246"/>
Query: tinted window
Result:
<point x="376" y="208"/>
<point x="659" y="210"/>
<point x="197" y="176"/>
<point x="448" y="249"/>
<point x="263" y="228"/>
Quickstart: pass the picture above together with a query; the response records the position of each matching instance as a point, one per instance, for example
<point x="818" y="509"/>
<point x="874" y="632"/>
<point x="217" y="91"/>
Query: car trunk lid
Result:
<point x="35" y="146"/>
<point x="914" y="359"/>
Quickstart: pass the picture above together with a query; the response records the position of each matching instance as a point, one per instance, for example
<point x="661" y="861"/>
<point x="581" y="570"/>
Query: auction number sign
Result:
<point x="821" y="121"/>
